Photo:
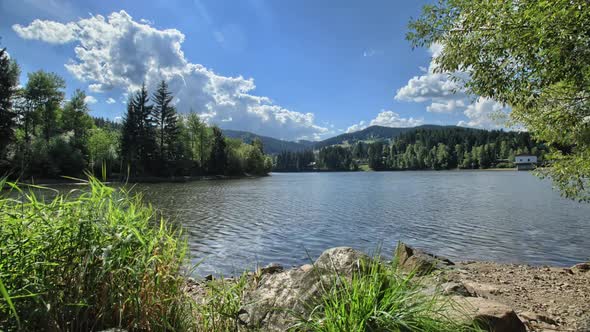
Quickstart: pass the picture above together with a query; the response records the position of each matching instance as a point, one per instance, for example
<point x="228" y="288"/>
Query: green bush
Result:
<point x="89" y="260"/>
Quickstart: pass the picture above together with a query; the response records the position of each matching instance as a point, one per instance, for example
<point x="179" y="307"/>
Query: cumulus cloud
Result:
<point x="48" y="31"/>
<point x="446" y="106"/>
<point x="483" y="113"/>
<point x="117" y="52"/>
<point x="387" y="119"/>
<point x="432" y="86"/>
<point x="90" y="100"/>
<point x="111" y="101"/>
<point x="445" y="93"/>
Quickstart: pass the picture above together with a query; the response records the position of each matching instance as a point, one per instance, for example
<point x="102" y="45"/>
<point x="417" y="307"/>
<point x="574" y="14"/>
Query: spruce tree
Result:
<point x="218" y="159"/>
<point x="130" y="137"/>
<point x="166" y="121"/>
<point x="146" y="142"/>
<point x="9" y="73"/>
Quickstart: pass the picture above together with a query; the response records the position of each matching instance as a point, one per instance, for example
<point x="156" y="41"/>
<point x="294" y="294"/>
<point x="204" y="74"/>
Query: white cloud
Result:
<point x="111" y="101"/>
<point x="48" y="31"/>
<point x="387" y="119"/>
<point x="446" y="106"/>
<point x="432" y="87"/>
<point x="90" y="100"/>
<point x="483" y="113"/>
<point x="117" y="52"/>
<point x="445" y="93"/>
<point x="356" y="127"/>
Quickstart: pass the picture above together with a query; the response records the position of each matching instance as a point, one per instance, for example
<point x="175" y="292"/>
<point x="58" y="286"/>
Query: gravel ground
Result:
<point x="546" y="298"/>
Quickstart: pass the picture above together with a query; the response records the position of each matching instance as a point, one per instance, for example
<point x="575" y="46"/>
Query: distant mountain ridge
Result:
<point x="275" y="146"/>
<point x="271" y="145"/>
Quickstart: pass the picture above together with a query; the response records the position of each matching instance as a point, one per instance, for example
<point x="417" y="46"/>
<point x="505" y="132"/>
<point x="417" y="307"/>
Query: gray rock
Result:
<point x="531" y="316"/>
<point x="481" y="289"/>
<point x="341" y="260"/>
<point x="271" y="269"/>
<point x="488" y="314"/>
<point x="280" y="298"/>
<point x="419" y="261"/>
<point x="455" y="288"/>
<point x="581" y="268"/>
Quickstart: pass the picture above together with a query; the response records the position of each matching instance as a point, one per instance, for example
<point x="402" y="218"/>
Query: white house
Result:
<point x="525" y="161"/>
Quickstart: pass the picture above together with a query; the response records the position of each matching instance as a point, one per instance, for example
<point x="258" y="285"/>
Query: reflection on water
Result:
<point x="287" y="218"/>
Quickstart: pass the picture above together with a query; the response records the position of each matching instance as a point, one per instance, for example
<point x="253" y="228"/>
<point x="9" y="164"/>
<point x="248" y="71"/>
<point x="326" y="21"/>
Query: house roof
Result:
<point x="525" y="155"/>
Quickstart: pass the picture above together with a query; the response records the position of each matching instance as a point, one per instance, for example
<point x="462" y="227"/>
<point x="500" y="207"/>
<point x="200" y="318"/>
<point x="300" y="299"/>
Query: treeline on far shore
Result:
<point x="420" y="149"/>
<point x="43" y="135"/>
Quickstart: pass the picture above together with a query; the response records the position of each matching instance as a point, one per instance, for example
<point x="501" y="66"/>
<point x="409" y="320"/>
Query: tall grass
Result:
<point x="219" y="307"/>
<point x="381" y="298"/>
<point x="92" y="260"/>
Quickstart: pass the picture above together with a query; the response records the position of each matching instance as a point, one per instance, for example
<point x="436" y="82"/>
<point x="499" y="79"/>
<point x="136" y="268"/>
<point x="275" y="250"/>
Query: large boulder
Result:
<point x="418" y="261"/>
<point x="581" y="268"/>
<point x="488" y="314"/>
<point x="281" y="297"/>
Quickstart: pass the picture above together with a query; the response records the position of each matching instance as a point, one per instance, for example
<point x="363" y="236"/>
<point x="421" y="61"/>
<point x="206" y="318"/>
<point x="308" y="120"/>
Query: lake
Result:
<point x="504" y="216"/>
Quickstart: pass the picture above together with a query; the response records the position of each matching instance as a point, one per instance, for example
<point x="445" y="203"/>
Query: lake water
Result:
<point x="504" y="216"/>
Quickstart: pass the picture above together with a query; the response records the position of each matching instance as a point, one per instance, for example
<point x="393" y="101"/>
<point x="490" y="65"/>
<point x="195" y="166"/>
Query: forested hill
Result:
<point x="276" y="146"/>
<point x="271" y="145"/>
<point x="372" y="133"/>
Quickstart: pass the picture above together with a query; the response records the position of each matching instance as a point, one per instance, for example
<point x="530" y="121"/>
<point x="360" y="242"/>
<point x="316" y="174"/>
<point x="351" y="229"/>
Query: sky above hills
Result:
<point x="287" y="69"/>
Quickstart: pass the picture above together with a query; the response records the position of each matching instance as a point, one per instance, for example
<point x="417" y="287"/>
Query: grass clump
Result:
<point x="98" y="260"/>
<point x="219" y="306"/>
<point x="380" y="297"/>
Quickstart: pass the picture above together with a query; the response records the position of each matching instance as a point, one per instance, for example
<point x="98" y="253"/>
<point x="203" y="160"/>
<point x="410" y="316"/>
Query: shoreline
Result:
<point x="512" y="297"/>
<point x="143" y="179"/>
<point x="406" y="170"/>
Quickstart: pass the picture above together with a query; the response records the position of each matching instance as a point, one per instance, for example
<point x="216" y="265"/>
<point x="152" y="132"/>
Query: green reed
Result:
<point x="382" y="298"/>
<point x="90" y="259"/>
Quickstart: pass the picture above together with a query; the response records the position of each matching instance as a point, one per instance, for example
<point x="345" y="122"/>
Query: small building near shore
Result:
<point x="525" y="161"/>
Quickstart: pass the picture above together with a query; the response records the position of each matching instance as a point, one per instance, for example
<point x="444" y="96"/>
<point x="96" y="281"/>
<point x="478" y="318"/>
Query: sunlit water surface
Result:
<point x="287" y="218"/>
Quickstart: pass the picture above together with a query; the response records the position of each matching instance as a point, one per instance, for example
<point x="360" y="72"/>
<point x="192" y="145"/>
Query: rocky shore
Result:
<point x="496" y="297"/>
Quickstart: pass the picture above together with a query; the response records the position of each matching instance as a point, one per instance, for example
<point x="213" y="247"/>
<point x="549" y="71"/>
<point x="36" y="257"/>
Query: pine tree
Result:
<point x="9" y="73"/>
<point x="166" y="121"/>
<point x="129" y="137"/>
<point x="218" y="160"/>
<point x="146" y="141"/>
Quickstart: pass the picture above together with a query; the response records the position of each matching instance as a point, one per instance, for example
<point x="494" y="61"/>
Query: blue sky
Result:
<point x="289" y="69"/>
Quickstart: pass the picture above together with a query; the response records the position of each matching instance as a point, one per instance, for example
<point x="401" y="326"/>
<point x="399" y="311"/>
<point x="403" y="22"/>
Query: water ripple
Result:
<point x="502" y="216"/>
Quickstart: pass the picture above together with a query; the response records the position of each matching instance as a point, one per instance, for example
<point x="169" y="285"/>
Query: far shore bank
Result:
<point x="142" y="179"/>
<point x="402" y="170"/>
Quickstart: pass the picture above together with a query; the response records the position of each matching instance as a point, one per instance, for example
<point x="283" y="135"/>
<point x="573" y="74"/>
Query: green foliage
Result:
<point x="89" y="260"/>
<point x="75" y="118"/>
<point x="40" y="139"/>
<point x="440" y="148"/>
<point x="44" y="91"/>
<point x="218" y="160"/>
<point x="335" y="158"/>
<point x="166" y="122"/>
<point x="294" y="161"/>
<point x="375" y="154"/>
<point x="198" y="137"/>
<point x="9" y="73"/>
<point x="533" y="56"/>
<point x="221" y="305"/>
<point x="102" y="149"/>
<point x="380" y="298"/>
